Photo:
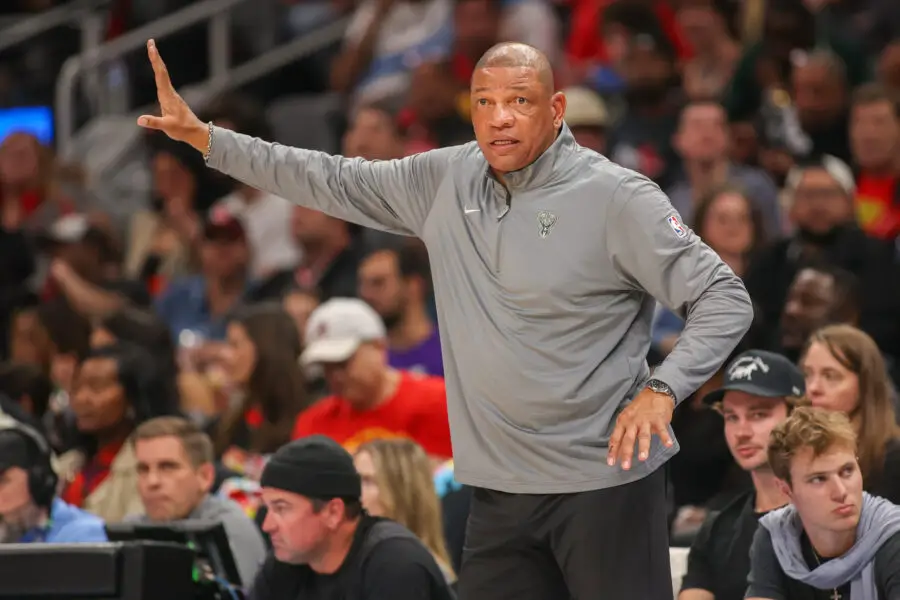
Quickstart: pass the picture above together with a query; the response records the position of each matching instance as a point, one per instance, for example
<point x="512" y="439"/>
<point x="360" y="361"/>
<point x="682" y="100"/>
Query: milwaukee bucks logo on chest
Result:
<point x="546" y="220"/>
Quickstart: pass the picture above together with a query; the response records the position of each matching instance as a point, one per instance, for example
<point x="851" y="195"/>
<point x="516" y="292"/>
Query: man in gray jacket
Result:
<point x="546" y="259"/>
<point x="175" y="473"/>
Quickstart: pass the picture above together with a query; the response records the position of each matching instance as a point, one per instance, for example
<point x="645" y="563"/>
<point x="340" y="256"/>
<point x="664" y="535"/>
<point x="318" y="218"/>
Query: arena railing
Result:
<point x="88" y="15"/>
<point x="222" y="75"/>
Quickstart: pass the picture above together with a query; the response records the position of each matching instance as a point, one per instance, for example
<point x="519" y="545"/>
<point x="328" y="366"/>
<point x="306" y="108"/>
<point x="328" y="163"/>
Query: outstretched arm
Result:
<point x="392" y="195"/>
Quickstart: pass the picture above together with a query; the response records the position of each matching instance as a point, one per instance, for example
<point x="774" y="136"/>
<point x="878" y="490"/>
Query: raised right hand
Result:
<point x="177" y="120"/>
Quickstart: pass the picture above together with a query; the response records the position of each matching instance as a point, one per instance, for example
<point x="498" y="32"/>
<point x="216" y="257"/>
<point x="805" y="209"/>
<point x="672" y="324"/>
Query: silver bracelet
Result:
<point x="209" y="143"/>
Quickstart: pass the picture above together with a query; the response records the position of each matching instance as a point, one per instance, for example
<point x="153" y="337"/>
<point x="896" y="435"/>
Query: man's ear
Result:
<point x="785" y="488"/>
<point x="558" y="105"/>
<point x="416" y="285"/>
<point x="335" y="513"/>
<point x="207" y="474"/>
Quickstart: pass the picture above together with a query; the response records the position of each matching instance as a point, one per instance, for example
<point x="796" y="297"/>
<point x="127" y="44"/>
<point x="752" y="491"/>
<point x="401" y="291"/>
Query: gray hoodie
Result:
<point x="545" y="291"/>
<point x="244" y="537"/>
<point x="879" y="521"/>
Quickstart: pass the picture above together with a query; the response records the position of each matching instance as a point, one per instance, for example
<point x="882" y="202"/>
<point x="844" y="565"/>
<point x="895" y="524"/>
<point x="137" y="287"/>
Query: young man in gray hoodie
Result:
<point x="175" y="474"/>
<point x="833" y="541"/>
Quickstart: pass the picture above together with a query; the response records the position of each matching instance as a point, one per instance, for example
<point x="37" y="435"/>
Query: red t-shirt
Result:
<point x="32" y="200"/>
<point x="877" y="211"/>
<point x="417" y="410"/>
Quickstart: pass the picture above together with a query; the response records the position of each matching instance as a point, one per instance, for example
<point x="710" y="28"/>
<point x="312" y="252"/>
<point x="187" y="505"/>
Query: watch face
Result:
<point x="660" y="387"/>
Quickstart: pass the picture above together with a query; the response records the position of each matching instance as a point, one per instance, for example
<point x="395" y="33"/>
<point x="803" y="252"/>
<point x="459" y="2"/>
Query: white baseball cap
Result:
<point x="336" y="329"/>
<point x="68" y="229"/>
<point x="585" y="108"/>
<point x="838" y="169"/>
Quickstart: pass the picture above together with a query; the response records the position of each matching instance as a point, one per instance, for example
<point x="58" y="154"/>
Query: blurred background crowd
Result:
<point x="136" y="283"/>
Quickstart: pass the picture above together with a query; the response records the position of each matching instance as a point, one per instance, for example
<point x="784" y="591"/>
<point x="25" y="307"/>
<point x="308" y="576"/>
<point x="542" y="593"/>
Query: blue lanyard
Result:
<point x="37" y="534"/>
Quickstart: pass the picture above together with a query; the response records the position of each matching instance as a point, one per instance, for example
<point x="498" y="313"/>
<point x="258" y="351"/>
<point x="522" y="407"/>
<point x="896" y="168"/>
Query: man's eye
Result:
<point x="521" y="100"/>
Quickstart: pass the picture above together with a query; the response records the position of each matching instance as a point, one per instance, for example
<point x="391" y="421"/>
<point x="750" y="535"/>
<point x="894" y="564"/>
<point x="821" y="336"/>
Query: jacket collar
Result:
<point x="545" y="168"/>
<point x="203" y="508"/>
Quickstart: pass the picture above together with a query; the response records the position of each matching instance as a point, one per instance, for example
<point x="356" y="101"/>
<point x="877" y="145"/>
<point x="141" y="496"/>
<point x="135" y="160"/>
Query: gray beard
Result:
<point x="10" y="533"/>
<point x="14" y="526"/>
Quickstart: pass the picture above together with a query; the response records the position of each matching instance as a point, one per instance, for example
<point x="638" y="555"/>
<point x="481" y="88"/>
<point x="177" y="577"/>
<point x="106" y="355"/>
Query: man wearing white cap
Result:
<point x="347" y="339"/>
<point x="587" y="117"/>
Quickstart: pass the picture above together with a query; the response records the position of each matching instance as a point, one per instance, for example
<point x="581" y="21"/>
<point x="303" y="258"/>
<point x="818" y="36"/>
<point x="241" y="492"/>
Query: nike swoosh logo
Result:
<point x="471" y="210"/>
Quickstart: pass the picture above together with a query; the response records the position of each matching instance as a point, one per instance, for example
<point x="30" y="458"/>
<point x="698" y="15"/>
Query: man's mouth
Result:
<point x="845" y="510"/>
<point x="747" y="451"/>
<point x="504" y="142"/>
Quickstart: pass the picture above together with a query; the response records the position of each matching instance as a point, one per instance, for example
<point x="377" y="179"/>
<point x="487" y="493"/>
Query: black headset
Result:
<point x="42" y="479"/>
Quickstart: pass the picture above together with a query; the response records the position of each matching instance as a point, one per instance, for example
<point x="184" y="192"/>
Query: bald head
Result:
<point x="518" y="56"/>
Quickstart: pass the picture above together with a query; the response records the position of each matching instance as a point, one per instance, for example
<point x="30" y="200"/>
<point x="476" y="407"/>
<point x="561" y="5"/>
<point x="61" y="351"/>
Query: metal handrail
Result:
<point x="178" y="20"/>
<point x="35" y="25"/>
<point x="214" y="11"/>
<point x="281" y="56"/>
<point x="255" y="68"/>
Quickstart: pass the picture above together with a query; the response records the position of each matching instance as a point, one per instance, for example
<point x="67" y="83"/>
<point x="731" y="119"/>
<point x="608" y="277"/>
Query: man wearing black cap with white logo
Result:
<point x="30" y="511"/>
<point x="325" y="546"/>
<point x="760" y="391"/>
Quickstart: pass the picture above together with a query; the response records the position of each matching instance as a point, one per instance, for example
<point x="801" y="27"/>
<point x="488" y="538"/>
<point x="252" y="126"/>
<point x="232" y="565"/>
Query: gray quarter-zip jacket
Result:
<point x="545" y="292"/>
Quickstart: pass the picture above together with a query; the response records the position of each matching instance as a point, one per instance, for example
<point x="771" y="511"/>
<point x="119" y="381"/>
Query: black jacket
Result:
<point x="873" y="262"/>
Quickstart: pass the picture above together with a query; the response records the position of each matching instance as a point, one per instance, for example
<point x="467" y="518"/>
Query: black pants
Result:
<point x="610" y="544"/>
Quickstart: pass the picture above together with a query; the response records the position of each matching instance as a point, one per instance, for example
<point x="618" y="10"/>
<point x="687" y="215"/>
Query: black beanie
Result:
<point x="315" y="467"/>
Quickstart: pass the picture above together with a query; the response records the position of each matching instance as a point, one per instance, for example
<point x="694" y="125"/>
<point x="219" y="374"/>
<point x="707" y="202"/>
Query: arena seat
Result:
<point x="678" y="559"/>
<point x="307" y="121"/>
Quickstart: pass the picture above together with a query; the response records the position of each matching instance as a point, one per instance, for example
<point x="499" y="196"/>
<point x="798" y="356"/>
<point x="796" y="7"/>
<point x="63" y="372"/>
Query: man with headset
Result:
<point x="30" y="510"/>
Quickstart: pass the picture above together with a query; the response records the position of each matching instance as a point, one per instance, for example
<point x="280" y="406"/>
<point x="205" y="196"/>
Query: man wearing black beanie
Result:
<point x="324" y="544"/>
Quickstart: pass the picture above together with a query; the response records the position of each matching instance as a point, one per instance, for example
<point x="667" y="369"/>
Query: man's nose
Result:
<point x="268" y="524"/>
<point x="838" y="490"/>
<point x="743" y="430"/>
<point x="501" y="116"/>
<point x="153" y="479"/>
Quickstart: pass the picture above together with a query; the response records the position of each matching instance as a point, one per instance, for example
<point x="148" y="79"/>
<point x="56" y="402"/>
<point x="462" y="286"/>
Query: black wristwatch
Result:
<point x="661" y="387"/>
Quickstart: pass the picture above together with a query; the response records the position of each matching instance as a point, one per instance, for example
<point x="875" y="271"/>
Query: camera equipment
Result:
<point x="214" y="570"/>
<point x="130" y="571"/>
